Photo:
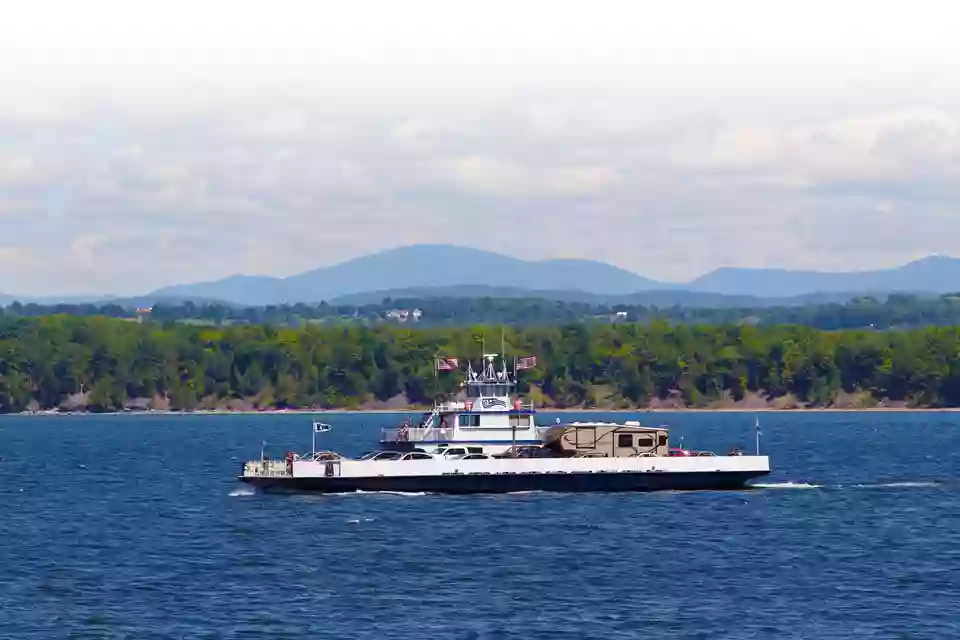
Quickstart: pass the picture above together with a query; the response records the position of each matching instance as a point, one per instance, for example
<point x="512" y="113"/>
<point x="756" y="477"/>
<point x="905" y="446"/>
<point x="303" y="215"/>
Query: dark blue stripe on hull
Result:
<point x="506" y="483"/>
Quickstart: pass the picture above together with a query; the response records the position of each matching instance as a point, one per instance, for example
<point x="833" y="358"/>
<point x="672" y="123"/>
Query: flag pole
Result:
<point x="758" y="435"/>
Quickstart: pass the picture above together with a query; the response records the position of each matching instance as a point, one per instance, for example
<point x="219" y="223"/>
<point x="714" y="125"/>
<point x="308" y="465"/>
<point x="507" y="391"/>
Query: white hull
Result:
<point x="514" y="474"/>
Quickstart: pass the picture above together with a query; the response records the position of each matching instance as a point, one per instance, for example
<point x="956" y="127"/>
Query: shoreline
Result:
<point x="545" y="410"/>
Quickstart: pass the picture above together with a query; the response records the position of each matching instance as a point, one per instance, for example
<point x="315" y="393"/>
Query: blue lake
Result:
<point x="135" y="527"/>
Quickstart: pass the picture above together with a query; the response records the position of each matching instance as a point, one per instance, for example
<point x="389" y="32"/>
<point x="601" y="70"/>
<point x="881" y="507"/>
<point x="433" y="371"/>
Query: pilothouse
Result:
<point x="487" y="417"/>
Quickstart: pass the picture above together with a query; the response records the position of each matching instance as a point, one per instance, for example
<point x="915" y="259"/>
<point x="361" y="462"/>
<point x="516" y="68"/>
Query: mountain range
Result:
<point x="445" y="270"/>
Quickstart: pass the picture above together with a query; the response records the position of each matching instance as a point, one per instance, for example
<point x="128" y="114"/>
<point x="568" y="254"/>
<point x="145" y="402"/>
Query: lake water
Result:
<point x="135" y="527"/>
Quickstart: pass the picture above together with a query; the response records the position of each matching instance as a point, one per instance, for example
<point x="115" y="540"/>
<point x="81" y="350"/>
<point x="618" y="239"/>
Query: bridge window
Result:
<point x="469" y="420"/>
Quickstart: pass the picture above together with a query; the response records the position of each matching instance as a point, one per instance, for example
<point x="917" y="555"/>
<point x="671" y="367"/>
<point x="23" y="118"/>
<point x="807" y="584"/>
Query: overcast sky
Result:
<point x="192" y="140"/>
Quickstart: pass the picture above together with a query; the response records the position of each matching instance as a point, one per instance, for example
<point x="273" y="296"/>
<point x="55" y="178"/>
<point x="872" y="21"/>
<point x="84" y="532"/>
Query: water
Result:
<point x="134" y="527"/>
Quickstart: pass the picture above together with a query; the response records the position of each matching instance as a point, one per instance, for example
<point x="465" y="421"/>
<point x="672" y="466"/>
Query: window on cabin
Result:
<point x="519" y="421"/>
<point x="663" y="440"/>
<point x="645" y="442"/>
<point x="475" y="449"/>
<point x="624" y="440"/>
<point x="469" y="420"/>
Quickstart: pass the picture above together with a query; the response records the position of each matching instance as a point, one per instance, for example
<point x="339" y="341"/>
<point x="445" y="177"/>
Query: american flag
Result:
<point x="527" y="362"/>
<point x="447" y="364"/>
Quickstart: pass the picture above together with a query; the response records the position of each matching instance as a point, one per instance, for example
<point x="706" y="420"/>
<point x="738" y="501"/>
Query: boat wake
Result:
<point x="242" y="491"/>
<point x="899" y="485"/>
<point x="882" y="485"/>
<point x="786" y="485"/>
<point x="384" y="493"/>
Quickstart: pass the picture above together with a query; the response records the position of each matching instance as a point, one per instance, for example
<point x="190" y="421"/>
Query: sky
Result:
<point x="154" y="143"/>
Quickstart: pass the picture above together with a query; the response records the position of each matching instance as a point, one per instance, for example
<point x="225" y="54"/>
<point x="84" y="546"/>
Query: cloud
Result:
<point x="17" y="171"/>
<point x="146" y="149"/>
<point x="509" y="178"/>
<point x="265" y="193"/>
<point x="16" y="257"/>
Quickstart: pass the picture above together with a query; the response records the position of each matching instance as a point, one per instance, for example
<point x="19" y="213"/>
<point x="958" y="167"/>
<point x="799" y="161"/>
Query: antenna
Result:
<point x="758" y="434"/>
<point x="503" y="344"/>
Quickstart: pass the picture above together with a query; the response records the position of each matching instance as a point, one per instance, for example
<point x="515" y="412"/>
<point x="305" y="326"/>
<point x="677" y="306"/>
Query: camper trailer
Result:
<point x="607" y="440"/>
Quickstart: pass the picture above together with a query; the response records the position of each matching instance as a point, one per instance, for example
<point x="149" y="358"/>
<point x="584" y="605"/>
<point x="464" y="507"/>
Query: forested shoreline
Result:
<point x="107" y="364"/>
<point x="894" y="311"/>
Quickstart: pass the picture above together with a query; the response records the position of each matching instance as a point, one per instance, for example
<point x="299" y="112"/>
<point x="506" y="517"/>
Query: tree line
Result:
<point x="103" y="364"/>
<point x="895" y="311"/>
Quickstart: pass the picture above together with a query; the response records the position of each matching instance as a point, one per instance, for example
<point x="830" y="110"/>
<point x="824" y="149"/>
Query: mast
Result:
<point x="758" y="435"/>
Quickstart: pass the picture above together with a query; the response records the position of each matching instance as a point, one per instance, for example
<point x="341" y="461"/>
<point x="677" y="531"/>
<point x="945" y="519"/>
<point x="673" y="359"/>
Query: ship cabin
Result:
<point x="487" y="416"/>
<point x="607" y="440"/>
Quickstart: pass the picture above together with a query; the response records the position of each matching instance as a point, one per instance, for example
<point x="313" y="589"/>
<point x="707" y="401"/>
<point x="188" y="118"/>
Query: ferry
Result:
<point x="489" y="442"/>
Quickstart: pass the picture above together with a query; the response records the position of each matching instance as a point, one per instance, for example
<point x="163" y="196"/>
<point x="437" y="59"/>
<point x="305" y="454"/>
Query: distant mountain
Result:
<point x="9" y="298"/>
<point x="443" y="270"/>
<point x="934" y="274"/>
<point x="128" y="302"/>
<point x="421" y="266"/>
<point x="253" y="290"/>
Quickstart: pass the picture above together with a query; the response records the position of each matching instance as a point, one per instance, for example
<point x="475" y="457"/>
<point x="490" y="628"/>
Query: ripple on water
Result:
<point x="135" y="527"/>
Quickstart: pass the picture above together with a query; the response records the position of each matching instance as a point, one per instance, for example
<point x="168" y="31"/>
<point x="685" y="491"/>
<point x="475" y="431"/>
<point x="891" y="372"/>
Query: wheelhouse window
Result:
<point x="469" y="419"/>
<point x="489" y="390"/>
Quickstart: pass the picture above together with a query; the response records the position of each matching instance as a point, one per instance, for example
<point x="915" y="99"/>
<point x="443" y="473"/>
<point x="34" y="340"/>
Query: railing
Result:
<point x="415" y="434"/>
<point x="266" y="468"/>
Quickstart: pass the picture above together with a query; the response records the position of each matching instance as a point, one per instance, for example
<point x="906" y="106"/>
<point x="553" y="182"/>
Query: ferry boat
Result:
<point x="490" y="443"/>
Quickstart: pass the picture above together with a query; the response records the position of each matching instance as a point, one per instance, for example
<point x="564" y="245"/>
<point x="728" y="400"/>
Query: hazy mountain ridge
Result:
<point x="933" y="274"/>
<point x="470" y="272"/>
<point x="445" y="271"/>
<point x="421" y="266"/>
